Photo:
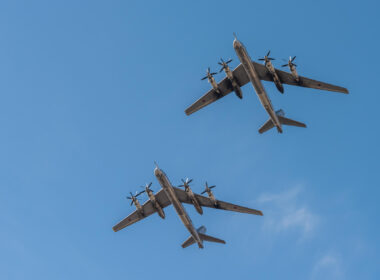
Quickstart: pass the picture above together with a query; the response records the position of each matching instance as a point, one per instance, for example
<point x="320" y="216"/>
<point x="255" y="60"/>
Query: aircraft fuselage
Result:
<point x="169" y="190"/>
<point x="244" y="58"/>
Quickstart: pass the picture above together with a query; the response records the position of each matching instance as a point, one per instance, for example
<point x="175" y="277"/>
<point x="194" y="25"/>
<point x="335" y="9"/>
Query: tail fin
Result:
<point x="201" y="232"/>
<point x="280" y="115"/>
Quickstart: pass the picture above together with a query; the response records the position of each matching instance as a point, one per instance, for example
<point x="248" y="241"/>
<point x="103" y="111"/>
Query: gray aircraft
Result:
<point x="250" y="71"/>
<point x="176" y="196"/>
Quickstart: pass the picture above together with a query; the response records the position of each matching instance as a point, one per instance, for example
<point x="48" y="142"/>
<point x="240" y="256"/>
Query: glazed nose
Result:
<point x="236" y="43"/>
<point x="157" y="171"/>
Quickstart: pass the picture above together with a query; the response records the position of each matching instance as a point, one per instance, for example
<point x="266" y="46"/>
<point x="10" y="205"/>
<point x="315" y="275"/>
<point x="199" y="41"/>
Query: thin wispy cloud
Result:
<point x="328" y="267"/>
<point x="288" y="213"/>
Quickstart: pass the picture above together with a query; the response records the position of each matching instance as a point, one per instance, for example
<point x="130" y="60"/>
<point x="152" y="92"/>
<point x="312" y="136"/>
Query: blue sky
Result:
<point x="92" y="92"/>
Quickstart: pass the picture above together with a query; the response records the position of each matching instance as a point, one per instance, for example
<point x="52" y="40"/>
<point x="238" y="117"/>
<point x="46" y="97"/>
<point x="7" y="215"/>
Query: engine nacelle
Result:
<point x="236" y="88"/>
<point x="194" y="200"/>
<point x="138" y="207"/>
<point x="212" y="198"/>
<point x="275" y="77"/>
<point x="155" y="204"/>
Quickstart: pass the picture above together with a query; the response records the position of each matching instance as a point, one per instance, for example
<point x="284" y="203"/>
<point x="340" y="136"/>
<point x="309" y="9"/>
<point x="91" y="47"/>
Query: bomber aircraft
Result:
<point x="250" y="71"/>
<point x="176" y="196"/>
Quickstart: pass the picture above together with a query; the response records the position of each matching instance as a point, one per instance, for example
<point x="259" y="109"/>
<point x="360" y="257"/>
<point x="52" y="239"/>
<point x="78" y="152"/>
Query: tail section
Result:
<point x="201" y="233"/>
<point x="286" y="121"/>
<point x="280" y="115"/>
<point x="268" y="125"/>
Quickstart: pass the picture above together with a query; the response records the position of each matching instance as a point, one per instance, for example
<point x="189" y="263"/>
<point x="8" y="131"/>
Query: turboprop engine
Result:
<point x="191" y="195"/>
<point x="230" y="77"/>
<point x="211" y="80"/>
<point x="154" y="201"/>
<point x="268" y="64"/>
<point x="292" y="67"/>
<point x="136" y="202"/>
<point x="210" y="194"/>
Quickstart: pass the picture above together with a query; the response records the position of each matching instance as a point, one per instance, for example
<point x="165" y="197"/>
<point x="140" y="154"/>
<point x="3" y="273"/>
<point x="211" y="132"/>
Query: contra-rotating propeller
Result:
<point x="147" y="187"/>
<point x="224" y="64"/>
<point x="208" y="74"/>
<point x="133" y="198"/>
<point x="207" y="189"/>
<point x="185" y="183"/>
<point x="290" y="62"/>
<point x="267" y="58"/>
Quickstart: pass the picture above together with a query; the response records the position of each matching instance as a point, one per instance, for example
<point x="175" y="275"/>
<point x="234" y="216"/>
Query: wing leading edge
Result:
<point x="287" y="78"/>
<point x="242" y="78"/>
<point x="207" y="202"/>
<point x="225" y="88"/>
<point x="147" y="210"/>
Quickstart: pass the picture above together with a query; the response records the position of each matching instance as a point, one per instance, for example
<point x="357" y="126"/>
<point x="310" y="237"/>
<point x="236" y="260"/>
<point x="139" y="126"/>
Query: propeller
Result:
<point x="207" y="189"/>
<point x="208" y="75"/>
<point x="290" y="62"/>
<point x="224" y="64"/>
<point x="134" y="197"/>
<point x="185" y="183"/>
<point x="147" y="187"/>
<point x="267" y="58"/>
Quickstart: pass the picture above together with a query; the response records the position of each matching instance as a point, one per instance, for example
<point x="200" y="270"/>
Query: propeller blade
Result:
<point x="293" y="58"/>
<point x="220" y="63"/>
<point x="284" y="65"/>
<point x="190" y="181"/>
<point x="221" y="69"/>
<point x="204" y="78"/>
<point x="131" y="202"/>
<point x="270" y="58"/>
<point x="294" y="64"/>
<point x="212" y="187"/>
<point x="213" y="73"/>
<point x="268" y="53"/>
<point x="262" y="59"/>
<point x="208" y="70"/>
<point x="229" y="61"/>
<point x="203" y="192"/>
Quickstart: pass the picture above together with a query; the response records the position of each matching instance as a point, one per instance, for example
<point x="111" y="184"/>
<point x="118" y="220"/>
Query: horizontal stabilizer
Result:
<point x="287" y="121"/>
<point x="280" y="115"/>
<point x="201" y="233"/>
<point x="188" y="242"/>
<point x="268" y="125"/>
<point x="209" y="238"/>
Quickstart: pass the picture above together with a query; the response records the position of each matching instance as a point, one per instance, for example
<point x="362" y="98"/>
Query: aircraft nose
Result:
<point x="157" y="171"/>
<point x="236" y="43"/>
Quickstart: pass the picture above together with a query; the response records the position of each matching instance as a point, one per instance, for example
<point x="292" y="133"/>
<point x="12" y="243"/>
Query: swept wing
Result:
<point x="207" y="202"/>
<point x="147" y="210"/>
<point x="287" y="78"/>
<point x="242" y="78"/>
